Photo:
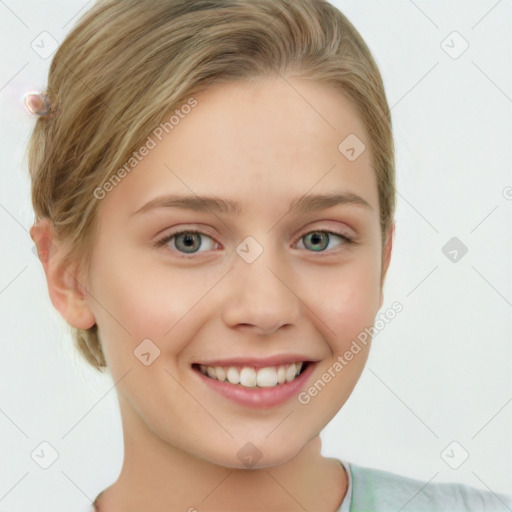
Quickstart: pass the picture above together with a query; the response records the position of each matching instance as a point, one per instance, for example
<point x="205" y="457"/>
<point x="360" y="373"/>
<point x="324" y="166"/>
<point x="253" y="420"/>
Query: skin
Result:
<point x="261" y="144"/>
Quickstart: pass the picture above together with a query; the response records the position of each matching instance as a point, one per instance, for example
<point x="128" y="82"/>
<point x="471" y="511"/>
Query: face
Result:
<point x="178" y="289"/>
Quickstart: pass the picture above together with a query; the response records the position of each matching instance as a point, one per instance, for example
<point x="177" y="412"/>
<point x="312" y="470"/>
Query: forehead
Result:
<point x="265" y="141"/>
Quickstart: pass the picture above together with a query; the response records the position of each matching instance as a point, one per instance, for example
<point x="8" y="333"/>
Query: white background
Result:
<point x="439" y="372"/>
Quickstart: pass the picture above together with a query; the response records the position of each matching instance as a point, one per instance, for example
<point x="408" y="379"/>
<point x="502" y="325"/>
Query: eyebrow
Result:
<point x="302" y="205"/>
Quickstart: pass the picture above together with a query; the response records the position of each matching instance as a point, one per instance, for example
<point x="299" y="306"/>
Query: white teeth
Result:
<point x="233" y="375"/>
<point x="281" y="375"/>
<point x="221" y="373"/>
<point x="266" y="377"/>
<point x="291" y="371"/>
<point x="248" y="377"/>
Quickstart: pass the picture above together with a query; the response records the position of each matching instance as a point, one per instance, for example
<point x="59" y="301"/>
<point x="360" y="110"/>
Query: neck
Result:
<point x="158" y="477"/>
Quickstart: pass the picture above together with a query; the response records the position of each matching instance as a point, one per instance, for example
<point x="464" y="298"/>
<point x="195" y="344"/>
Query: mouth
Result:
<point x="253" y="384"/>
<point x="251" y="377"/>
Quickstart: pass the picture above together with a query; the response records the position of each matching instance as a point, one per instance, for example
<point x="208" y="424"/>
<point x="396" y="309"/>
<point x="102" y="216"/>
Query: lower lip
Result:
<point x="259" y="398"/>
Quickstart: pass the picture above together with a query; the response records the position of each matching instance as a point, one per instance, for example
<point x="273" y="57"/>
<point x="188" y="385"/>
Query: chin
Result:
<point x="255" y="455"/>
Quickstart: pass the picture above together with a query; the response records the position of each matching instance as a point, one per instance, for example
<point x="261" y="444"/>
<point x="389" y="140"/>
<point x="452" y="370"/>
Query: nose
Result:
<point x="261" y="297"/>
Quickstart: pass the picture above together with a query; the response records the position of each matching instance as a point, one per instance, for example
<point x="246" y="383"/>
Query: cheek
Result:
<point x="348" y="303"/>
<point x="347" y="307"/>
<point x="137" y="301"/>
<point x="126" y="305"/>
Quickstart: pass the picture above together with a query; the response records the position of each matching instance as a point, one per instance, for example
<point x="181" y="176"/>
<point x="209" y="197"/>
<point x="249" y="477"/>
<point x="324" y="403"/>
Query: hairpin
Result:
<point x="37" y="103"/>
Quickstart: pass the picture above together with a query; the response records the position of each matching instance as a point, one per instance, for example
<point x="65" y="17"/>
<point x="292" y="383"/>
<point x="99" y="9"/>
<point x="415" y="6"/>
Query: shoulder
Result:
<point x="377" y="490"/>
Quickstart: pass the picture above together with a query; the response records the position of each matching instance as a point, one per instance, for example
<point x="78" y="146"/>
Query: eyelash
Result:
<point x="167" y="238"/>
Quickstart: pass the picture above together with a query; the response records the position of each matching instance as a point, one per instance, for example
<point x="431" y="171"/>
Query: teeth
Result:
<point x="248" y="377"/>
<point x="221" y="373"/>
<point x="291" y="371"/>
<point x="267" y="377"/>
<point x="233" y="375"/>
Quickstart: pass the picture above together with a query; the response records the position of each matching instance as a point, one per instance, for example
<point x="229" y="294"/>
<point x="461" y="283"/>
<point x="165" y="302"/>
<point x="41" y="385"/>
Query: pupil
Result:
<point x="317" y="238"/>
<point x="188" y="242"/>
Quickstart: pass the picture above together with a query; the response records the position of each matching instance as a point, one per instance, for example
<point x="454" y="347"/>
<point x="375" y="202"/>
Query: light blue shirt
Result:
<point x="374" y="490"/>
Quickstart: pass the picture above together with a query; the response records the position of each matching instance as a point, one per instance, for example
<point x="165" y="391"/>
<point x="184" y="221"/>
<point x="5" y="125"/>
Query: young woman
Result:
<point x="213" y="183"/>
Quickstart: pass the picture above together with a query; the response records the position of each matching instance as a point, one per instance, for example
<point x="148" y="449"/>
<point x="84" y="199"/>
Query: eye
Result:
<point x="320" y="240"/>
<point x="188" y="241"/>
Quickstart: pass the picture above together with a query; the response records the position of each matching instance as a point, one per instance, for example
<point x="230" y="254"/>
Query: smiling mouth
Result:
<point x="250" y="377"/>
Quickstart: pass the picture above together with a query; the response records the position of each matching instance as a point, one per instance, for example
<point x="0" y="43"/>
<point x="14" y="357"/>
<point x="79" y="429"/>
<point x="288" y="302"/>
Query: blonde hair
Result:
<point x="129" y="63"/>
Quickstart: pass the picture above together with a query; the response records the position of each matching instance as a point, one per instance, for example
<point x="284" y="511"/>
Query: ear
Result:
<point x="67" y="294"/>
<point x="386" y="259"/>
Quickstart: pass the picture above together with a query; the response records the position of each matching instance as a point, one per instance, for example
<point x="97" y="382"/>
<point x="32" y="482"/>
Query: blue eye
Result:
<point x="187" y="241"/>
<point x="190" y="241"/>
<point x="320" y="239"/>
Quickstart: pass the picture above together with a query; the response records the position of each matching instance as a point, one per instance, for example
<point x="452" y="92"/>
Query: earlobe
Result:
<point x="66" y="293"/>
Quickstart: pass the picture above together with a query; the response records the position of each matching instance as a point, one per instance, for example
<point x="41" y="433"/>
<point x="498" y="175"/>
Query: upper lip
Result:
<point x="254" y="362"/>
